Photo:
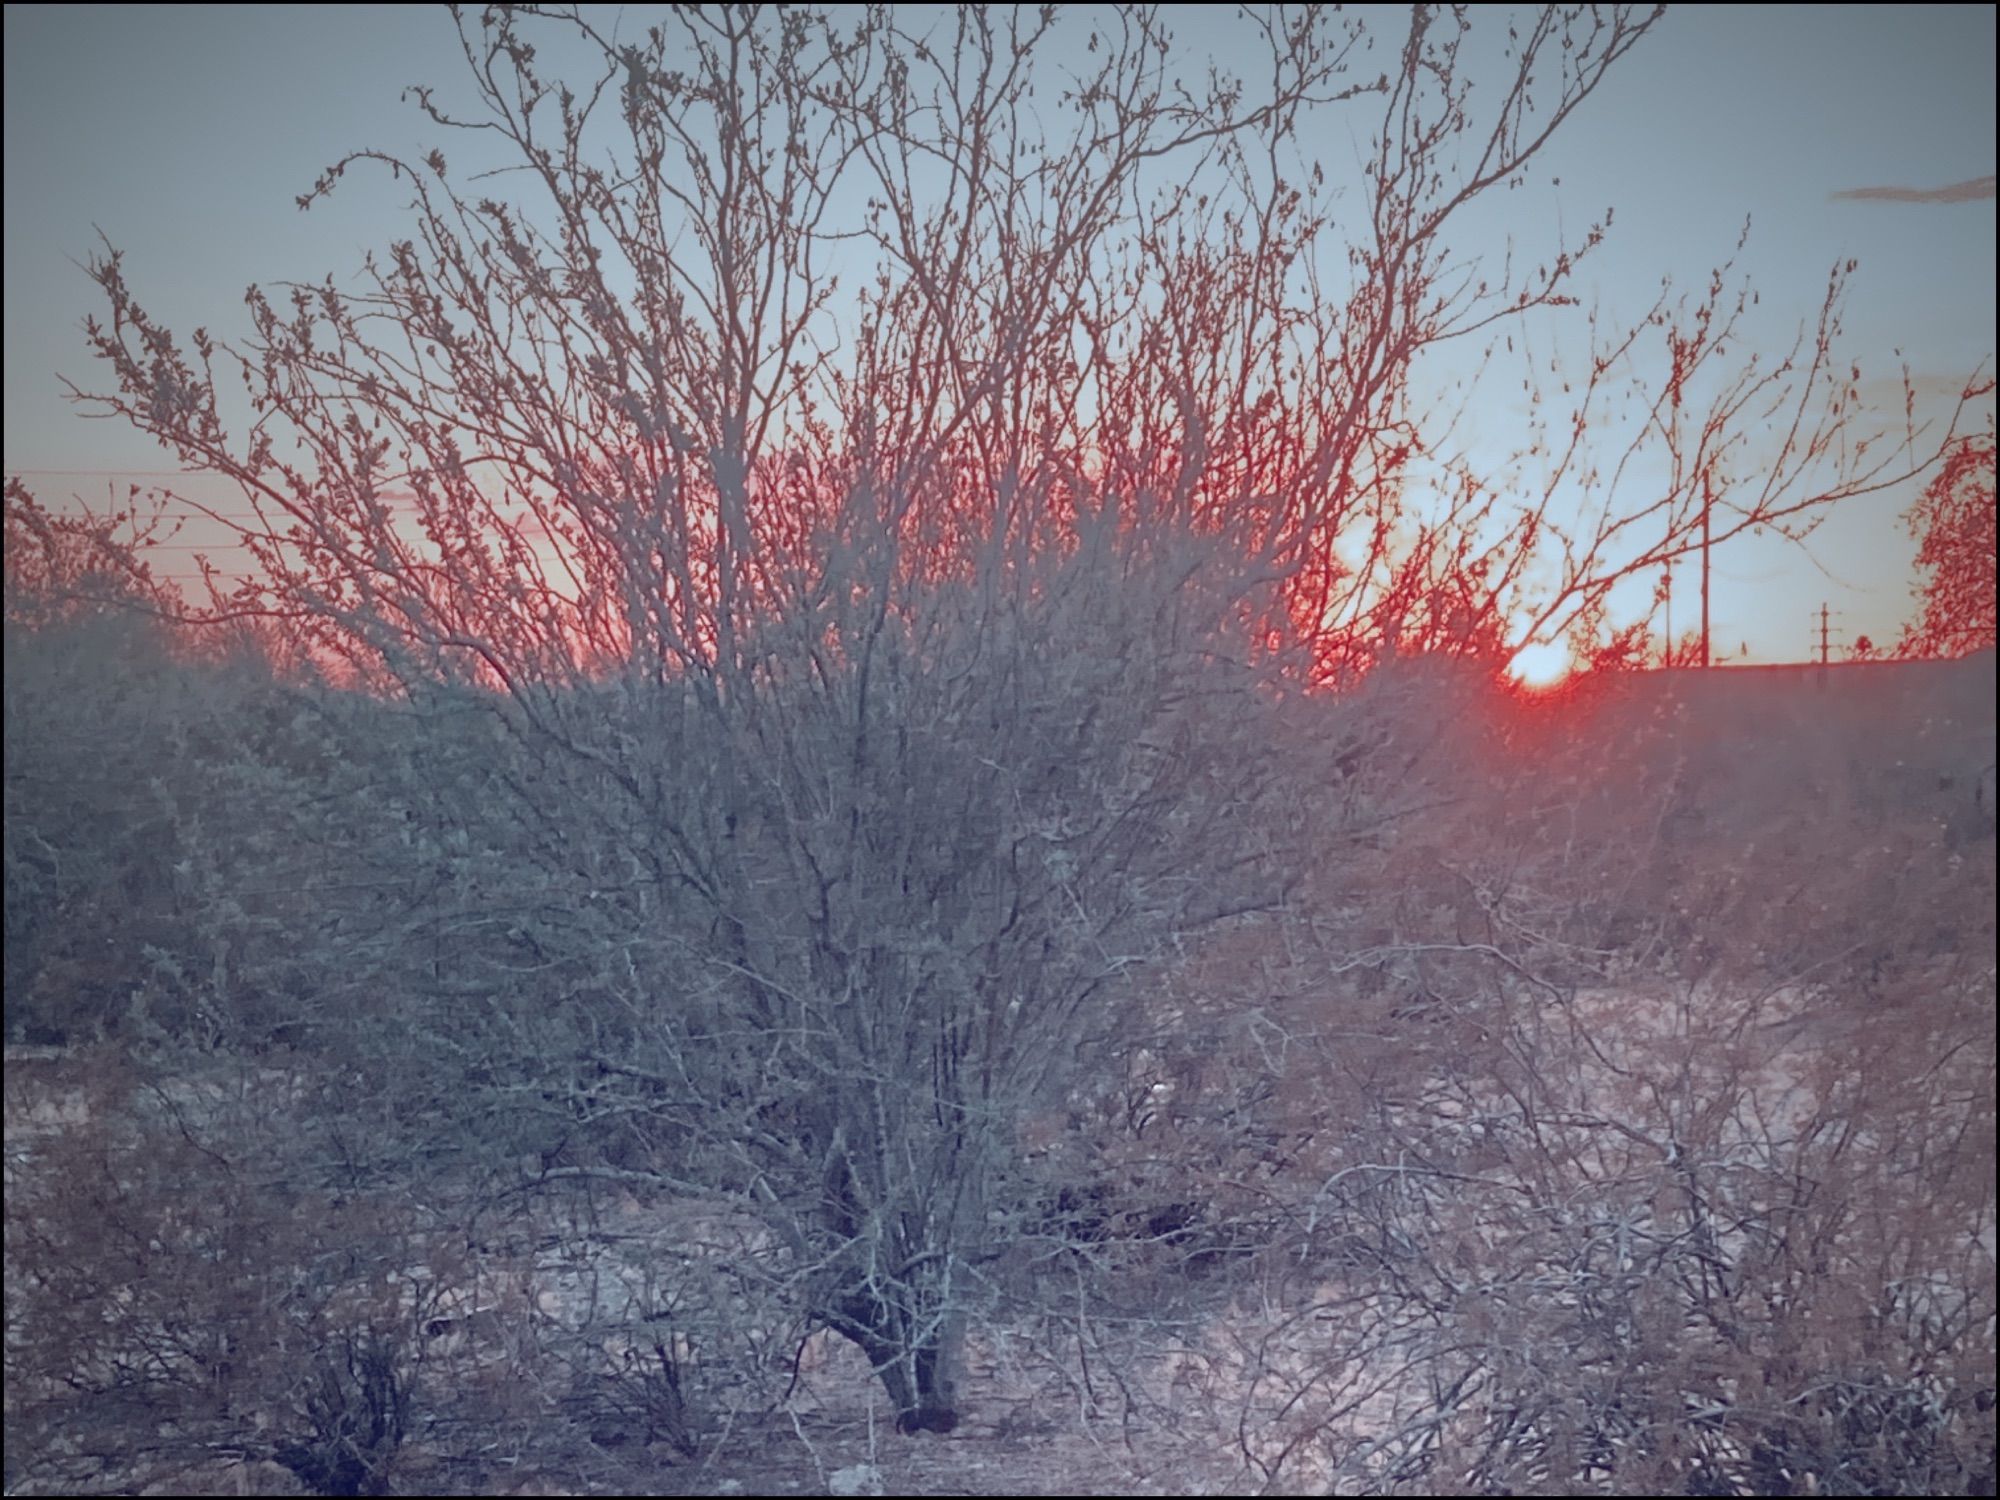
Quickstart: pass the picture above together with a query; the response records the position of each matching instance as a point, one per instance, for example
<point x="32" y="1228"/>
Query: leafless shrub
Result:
<point x="1703" y="1223"/>
<point x="176" y="1297"/>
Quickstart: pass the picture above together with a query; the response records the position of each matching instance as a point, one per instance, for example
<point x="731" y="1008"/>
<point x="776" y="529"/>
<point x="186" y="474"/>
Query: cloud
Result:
<point x="1969" y="191"/>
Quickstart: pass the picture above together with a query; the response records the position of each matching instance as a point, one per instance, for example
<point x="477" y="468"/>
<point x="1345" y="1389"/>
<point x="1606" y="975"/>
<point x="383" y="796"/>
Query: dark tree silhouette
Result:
<point x="1953" y="522"/>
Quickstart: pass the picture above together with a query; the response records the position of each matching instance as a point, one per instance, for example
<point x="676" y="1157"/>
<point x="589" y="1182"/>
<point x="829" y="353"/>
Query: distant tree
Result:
<point x="1604" y="648"/>
<point x="65" y="566"/>
<point x="88" y="672"/>
<point x="1953" y="522"/>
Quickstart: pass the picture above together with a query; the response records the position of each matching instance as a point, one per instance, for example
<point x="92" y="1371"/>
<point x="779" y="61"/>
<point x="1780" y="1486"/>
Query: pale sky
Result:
<point x="185" y="133"/>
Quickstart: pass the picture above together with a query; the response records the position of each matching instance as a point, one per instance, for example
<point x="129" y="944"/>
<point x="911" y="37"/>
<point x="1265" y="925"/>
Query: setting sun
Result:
<point x="1539" y="664"/>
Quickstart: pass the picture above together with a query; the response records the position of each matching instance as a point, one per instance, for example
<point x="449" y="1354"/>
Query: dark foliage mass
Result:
<point x="1957" y="539"/>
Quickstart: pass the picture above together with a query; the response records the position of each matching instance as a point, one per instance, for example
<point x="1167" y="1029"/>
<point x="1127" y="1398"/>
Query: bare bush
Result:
<point x="180" y="1300"/>
<point x="1656" y="1218"/>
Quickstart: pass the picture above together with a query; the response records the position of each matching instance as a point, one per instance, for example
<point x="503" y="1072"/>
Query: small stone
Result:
<point x="855" y="1479"/>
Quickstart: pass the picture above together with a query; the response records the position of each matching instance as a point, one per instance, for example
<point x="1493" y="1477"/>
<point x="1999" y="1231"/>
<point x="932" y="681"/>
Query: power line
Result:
<point x="13" y="473"/>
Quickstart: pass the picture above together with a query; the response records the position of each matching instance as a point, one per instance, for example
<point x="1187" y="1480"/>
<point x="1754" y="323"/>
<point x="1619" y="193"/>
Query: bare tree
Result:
<point x="878" y="480"/>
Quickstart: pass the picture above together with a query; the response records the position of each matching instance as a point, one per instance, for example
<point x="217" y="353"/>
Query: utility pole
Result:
<point x="1823" y="656"/>
<point x="1707" y="506"/>
<point x="1669" y="654"/>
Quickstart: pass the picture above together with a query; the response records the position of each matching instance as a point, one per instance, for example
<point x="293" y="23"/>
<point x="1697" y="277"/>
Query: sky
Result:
<point x="185" y="133"/>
